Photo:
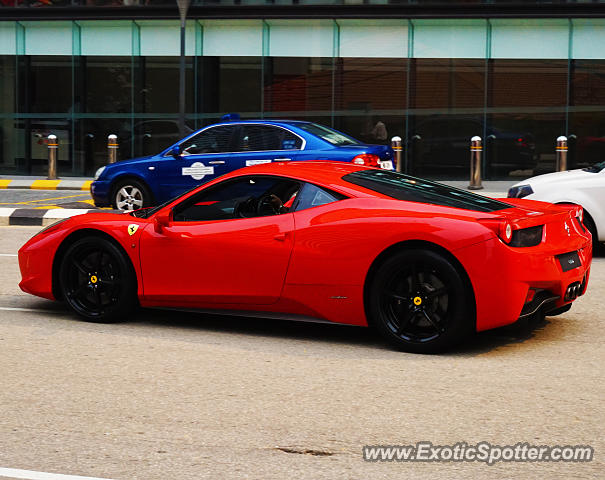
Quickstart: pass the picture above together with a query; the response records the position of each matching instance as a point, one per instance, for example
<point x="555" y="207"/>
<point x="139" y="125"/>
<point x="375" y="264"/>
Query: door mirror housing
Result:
<point x="162" y="220"/>
<point x="175" y="151"/>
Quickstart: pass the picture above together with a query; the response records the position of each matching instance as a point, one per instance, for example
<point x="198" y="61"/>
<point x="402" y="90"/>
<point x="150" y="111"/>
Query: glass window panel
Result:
<point x="105" y="38"/>
<point x="368" y="38"/>
<point x="530" y="38"/>
<point x="521" y="83"/>
<point x="48" y="38"/>
<point x="588" y="39"/>
<point x="298" y="84"/>
<point x="450" y="38"/>
<point x="8" y="129"/>
<point x="533" y="111"/>
<point x="298" y="38"/>
<point x="45" y="84"/>
<point x="157" y="85"/>
<point x="32" y="145"/>
<point x="151" y="136"/>
<point x="587" y="113"/>
<point x="446" y="84"/>
<point x="163" y="37"/>
<point x="104" y="84"/>
<point x="230" y="84"/>
<point x="8" y="44"/>
<point x="230" y="38"/>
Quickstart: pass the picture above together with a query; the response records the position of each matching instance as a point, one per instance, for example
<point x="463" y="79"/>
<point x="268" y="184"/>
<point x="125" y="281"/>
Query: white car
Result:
<point x="585" y="187"/>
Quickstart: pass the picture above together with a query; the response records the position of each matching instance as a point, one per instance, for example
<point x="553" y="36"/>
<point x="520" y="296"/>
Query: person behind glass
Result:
<point x="379" y="132"/>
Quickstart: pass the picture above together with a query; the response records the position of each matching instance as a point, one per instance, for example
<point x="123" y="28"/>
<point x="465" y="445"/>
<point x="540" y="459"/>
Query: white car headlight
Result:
<point x="99" y="172"/>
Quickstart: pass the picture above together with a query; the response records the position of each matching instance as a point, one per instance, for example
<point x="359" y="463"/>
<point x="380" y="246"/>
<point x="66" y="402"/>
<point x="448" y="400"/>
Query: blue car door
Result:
<point x="203" y="157"/>
<point x="262" y="143"/>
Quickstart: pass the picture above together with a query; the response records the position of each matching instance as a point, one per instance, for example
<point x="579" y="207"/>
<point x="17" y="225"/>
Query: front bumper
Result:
<point x="99" y="190"/>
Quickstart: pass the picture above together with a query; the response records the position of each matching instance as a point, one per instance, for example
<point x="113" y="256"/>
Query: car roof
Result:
<point x="264" y="121"/>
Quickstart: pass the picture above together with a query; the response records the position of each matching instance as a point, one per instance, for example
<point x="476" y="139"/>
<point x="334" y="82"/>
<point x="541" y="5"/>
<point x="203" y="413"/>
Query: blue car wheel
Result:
<point x="130" y="194"/>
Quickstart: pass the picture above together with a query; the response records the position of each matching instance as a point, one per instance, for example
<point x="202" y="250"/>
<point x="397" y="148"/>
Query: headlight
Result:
<point x="99" y="172"/>
<point x="520" y="191"/>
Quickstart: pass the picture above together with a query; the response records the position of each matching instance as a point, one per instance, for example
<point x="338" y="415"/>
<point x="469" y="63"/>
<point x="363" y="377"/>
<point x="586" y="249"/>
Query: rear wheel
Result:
<point x="419" y="302"/>
<point x="96" y="280"/>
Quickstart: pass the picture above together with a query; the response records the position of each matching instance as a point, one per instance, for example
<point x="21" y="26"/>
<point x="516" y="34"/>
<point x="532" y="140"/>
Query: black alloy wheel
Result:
<point x="420" y="302"/>
<point x="97" y="280"/>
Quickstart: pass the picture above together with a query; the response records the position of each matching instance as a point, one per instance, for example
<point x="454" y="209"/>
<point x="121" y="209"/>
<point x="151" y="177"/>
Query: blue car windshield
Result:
<point x="331" y="136"/>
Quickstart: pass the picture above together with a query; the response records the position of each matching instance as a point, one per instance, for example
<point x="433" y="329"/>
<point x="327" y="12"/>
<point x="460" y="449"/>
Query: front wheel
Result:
<point x="97" y="281"/>
<point x="130" y="195"/>
<point x="419" y="302"/>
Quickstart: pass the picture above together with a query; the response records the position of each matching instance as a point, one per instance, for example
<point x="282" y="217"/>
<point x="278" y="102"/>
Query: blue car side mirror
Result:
<point x="175" y="151"/>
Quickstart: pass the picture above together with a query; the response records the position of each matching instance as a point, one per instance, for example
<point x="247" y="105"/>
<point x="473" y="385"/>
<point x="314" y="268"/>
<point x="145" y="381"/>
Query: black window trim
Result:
<point x="199" y="132"/>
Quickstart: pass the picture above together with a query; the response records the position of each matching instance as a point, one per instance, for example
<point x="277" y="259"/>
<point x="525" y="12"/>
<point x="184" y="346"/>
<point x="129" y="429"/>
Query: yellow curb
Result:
<point x="44" y="184"/>
<point x="86" y="185"/>
<point x="4" y="183"/>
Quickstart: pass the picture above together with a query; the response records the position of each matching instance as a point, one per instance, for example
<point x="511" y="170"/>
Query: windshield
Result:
<point x="412" y="189"/>
<point x="596" y="168"/>
<point x="327" y="134"/>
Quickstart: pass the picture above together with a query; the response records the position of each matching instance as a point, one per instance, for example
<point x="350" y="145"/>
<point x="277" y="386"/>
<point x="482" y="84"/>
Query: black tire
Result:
<point x="130" y="194"/>
<point x="97" y="281"/>
<point x="420" y="302"/>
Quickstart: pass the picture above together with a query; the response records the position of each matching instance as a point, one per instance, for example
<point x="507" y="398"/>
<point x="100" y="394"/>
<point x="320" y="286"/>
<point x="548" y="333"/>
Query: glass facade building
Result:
<point x="518" y="83"/>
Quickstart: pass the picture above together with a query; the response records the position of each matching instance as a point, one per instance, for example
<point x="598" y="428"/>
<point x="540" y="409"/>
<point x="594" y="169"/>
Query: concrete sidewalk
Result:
<point x="41" y="183"/>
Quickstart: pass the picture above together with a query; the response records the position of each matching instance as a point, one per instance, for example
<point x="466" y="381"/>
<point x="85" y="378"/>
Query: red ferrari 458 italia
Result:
<point x="423" y="263"/>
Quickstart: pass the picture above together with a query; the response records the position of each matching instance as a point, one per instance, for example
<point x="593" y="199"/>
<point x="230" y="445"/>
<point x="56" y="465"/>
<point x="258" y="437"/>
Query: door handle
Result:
<point x="281" y="237"/>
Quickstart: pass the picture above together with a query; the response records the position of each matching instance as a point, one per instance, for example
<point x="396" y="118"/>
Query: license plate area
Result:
<point x="569" y="261"/>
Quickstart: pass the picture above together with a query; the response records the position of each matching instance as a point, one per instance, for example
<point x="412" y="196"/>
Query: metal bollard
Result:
<point x="53" y="145"/>
<point x="476" y="150"/>
<point x="396" y="146"/>
<point x="561" y="153"/>
<point x="112" y="148"/>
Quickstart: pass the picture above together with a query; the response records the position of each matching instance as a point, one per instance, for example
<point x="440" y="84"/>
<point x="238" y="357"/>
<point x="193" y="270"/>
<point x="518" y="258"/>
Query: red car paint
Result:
<point x="315" y="262"/>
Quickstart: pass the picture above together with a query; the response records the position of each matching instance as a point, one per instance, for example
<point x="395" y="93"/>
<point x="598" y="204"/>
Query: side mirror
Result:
<point x="162" y="220"/>
<point x="175" y="151"/>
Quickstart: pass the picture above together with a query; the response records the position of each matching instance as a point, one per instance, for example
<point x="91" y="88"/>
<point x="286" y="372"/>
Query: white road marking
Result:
<point x="8" y="254"/>
<point x="33" y="475"/>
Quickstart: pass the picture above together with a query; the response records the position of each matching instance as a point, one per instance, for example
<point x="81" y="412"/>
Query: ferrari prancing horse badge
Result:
<point x="132" y="228"/>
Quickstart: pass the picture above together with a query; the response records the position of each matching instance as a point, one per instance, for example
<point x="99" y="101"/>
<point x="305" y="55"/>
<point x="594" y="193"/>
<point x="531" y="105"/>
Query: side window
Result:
<point x="255" y="138"/>
<point x="246" y="197"/>
<point x="211" y="140"/>
<point x="314" y="196"/>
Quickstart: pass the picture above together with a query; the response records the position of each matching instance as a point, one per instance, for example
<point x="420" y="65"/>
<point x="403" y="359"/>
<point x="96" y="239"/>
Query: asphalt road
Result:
<point x="186" y="396"/>
<point x="45" y="199"/>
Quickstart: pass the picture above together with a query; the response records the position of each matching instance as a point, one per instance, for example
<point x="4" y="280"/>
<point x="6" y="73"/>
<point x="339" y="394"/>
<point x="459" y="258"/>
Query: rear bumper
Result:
<point x="503" y="280"/>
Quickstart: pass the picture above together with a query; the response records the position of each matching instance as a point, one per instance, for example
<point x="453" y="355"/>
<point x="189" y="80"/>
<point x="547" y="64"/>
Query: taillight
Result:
<point x="506" y="232"/>
<point x="502" y="228"/>
<point x="367" y="159"/>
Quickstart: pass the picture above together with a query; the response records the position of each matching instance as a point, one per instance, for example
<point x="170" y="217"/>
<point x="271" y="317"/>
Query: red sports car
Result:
<point x="424" y="263"/>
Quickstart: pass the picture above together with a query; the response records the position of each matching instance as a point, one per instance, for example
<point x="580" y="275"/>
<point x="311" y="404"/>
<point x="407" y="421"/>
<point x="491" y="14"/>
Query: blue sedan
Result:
<point x="221" y="148"/>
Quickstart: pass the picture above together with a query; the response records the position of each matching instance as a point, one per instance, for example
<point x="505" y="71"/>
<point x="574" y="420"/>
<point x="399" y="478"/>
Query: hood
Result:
<point x="131" y="161"/>
<point x="556" y="177"/>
